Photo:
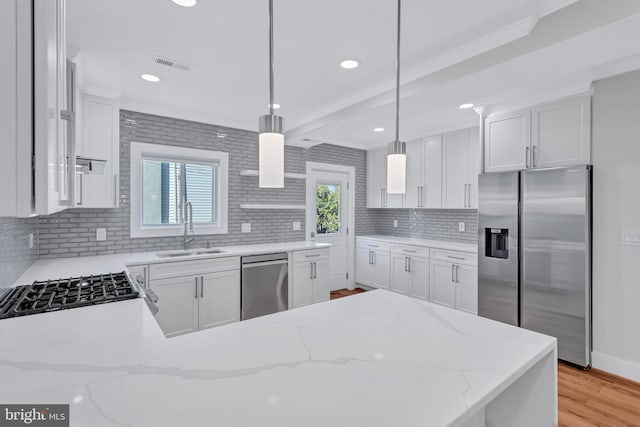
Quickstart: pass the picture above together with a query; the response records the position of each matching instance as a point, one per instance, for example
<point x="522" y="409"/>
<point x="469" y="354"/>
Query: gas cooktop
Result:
<point x="53" y="295"/>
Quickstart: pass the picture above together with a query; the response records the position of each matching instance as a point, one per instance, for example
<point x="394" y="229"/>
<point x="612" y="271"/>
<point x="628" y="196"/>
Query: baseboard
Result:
<point x="621" y="367"/>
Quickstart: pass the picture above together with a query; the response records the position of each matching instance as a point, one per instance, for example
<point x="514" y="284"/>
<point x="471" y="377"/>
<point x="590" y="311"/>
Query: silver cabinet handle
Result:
<point x="384" y="196"/>
<point x="310" y="270"/>
<point x="144" y="275"/>
<point x="456" y="257"/>
<point x="457" y="267"/>
<point x="369" y="257"/>
<point x="409" y="264"/>
<point x="196" y="288"/>
<point x="526" y="156"/>
<point x="469" y="196"/>
<point x="453" y="272"/>
<point x="315" y="270"/>
<point x="80" y="190"/>
<point x="533" y="156"/>
<point x="201" y="287"/>
<point x="373" y="257"/>
<point x="115" y="190"/>
<point x="312" y="255"/>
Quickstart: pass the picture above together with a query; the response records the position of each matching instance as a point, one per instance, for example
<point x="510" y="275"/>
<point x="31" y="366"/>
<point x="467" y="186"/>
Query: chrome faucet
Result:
<point x="188" y="225"/>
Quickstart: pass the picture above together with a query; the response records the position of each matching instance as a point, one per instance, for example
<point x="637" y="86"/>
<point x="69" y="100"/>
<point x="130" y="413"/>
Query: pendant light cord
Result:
<point x="398" y="78"/>
<point x="271" y="57"/>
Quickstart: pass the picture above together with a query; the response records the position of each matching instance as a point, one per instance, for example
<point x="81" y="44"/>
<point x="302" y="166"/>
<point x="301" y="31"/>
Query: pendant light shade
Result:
<point x="271" y="133"/>
<point x="271" y="152"/>
<point x="397" y="167"/>
<point x="397" y="154"/>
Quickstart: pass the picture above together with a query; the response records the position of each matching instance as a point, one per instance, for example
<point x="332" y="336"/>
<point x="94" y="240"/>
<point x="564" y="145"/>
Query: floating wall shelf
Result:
<point x="266" y="206"/>
<point x="291" y="175"/>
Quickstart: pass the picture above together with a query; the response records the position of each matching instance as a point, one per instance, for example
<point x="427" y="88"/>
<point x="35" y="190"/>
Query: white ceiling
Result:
<point x="497" y="53"/>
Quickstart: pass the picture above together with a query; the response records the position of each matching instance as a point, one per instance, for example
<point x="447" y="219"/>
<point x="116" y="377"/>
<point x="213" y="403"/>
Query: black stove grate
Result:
<point x="53" y="295"/>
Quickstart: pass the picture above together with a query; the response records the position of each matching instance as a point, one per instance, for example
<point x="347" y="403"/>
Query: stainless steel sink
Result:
<point x="190" y="252"/>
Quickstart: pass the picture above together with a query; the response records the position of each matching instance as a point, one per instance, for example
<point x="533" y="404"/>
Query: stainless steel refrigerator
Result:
<point x="534" y="254"/>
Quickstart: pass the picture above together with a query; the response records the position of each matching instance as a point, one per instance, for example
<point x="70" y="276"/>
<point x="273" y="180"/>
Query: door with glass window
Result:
<point x="328" y="220"/>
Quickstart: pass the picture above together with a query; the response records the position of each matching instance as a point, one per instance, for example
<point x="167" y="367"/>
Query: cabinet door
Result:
<point x="321" y="281"/>
<point x="363" y="266"/>
<point x="455" y="169"/>
<point x="219" y="299"/>
<point x="561" y="133"/>
<point x="415" y="177"/>
<point x="474" y="167"/>
<point x="376" y="177"/>
<point x="380" y="275"/>
<point x="419" y="278"/>
<point x="177" y="304"/>
<point x="400" y="277"/>
<point x="432" y="188"/>
<point x="507" y="140"/>
<point x="100" y="140"/>
<point x="302" y="286"/>
<point x="467" y="288"/>
<point x="51" y="149"/>
<point x="442" y="286"/>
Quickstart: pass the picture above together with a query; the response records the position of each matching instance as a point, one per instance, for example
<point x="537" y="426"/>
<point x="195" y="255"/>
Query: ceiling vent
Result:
<point x="171" y="63"/>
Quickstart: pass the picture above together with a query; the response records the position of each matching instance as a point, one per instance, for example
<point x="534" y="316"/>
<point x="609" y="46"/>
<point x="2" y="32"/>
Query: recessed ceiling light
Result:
<point x="466" y="106"/>
<point x="150" y="78"/>
<point x="349" y="64"/>
<point x="185" y="3"/>
<point x="275" y="106"/>
<point x="378" y="129"/>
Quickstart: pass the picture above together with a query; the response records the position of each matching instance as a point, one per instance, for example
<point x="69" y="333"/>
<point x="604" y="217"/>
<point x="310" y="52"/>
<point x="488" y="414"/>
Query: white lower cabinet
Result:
<point x="203" y="299"/>
<point x="454" y="285"/>
<point x="410" y="276"/>
<point x="443" y="286"/>
<point x="219" y="299"/>
<point x="177" y="304"/>
<point x="310" y="282"/>
<point x="373" y="263"/>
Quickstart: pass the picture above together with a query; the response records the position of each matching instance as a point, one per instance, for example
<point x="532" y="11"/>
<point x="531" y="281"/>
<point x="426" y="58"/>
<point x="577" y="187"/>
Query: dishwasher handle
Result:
<point x="262" y="264"/>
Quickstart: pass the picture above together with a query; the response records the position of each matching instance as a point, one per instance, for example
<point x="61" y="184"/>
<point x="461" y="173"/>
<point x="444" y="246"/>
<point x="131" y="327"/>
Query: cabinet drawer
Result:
<point x="412" y="251"/>
<point x="193" y="267"/>
<point x="310" y="255"/>
<point x="456" y="257"/>
<point x="374" y="245"/>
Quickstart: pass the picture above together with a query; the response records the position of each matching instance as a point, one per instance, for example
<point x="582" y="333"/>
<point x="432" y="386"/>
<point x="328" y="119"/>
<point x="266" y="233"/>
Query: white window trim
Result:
<point x="139" y="150"/>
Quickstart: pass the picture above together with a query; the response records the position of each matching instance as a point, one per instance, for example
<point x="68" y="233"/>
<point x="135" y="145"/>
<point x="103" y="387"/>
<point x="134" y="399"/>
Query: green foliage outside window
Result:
<point x="327" y="209"/>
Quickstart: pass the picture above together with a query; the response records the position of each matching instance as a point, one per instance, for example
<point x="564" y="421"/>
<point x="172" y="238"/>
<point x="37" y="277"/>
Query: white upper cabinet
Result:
<point x="377" y="196"/>
<point x="99" y="139"/>
<point x="431" y="196"/>
<point x="561" y="133"/>
<point x="424" y="173"/>
<point x="460" y="169"/>
<point x="507" y="141"/>
<point x="33" y="39"/>
<point x="415" y="175"/>
<point x="548" y="135"/>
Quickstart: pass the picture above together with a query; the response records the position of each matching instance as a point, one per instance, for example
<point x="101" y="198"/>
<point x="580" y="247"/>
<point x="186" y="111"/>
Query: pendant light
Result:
<point x="271" y="133"/>
<point x="397" y="152"/>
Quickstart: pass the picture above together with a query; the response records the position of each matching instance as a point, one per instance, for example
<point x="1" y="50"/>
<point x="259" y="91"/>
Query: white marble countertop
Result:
<point x="72" y="267"/>
<point x="436" y="244"/>
<point x="374" y="359"/>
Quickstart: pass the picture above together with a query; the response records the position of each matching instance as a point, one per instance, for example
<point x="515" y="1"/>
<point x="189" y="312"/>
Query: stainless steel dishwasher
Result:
<point x="265" y="285"/>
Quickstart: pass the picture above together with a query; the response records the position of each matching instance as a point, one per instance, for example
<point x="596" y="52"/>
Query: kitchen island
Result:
<point x="373" y="359"/>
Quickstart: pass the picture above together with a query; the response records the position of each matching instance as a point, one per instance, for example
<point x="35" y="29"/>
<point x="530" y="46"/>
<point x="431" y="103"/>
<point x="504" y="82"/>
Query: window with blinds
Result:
<point x="165" y="178"/>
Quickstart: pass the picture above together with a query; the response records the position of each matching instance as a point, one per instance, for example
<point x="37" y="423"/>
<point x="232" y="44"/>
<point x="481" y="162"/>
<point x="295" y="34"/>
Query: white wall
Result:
<point x="616" y="207"/>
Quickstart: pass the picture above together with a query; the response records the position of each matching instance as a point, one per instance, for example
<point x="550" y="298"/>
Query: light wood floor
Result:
<point x="585" y="398"/>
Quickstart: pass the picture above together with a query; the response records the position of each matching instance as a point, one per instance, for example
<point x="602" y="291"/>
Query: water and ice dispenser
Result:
<point x="497" y="242"/>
